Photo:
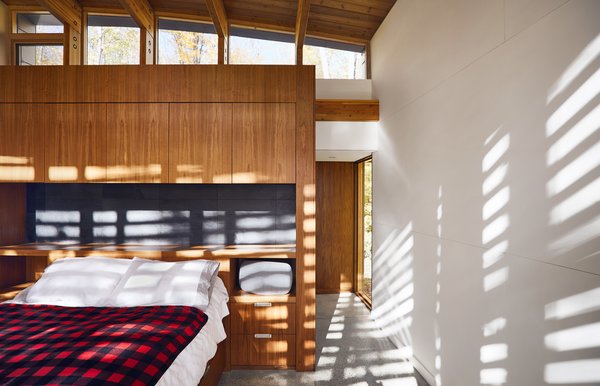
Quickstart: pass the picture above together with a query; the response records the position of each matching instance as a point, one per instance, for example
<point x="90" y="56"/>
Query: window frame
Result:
<point x="107" y="12"/>
<point x="34" y="39"/>
<point x="359" y="225"/>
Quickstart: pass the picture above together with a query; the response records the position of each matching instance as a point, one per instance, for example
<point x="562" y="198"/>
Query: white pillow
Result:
<point x="149" y="283"/>
<point x="213" y="270"/>
<point x="78" y="282"/>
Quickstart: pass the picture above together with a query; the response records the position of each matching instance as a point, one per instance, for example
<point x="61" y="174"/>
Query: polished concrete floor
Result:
<point x="350" y="351"/>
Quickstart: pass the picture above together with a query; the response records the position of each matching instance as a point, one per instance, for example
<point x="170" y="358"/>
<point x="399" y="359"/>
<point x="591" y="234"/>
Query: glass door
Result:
<point x="365" y="230"/>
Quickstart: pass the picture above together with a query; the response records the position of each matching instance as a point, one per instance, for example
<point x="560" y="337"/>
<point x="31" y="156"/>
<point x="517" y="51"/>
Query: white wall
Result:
<point x="487" y="189"/>
<point x="4" y="30"/>
<point x="345" y="141"/>
<point x="344" y="89"/>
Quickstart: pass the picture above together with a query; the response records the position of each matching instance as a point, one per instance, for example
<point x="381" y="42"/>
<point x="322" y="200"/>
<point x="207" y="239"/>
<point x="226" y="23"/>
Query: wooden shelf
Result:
<point x="167" y="252"/>
<point x="240" y="296"/>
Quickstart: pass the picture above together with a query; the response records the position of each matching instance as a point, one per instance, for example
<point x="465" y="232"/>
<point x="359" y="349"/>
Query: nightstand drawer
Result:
<point x="263" y="318"/>
<point x="263" y="350"/>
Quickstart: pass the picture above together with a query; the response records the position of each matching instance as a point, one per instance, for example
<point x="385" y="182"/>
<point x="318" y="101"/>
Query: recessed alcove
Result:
<point x="165" y="214"/>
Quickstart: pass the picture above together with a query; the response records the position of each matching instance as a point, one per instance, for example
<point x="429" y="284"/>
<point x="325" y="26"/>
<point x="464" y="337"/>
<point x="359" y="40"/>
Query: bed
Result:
<point x="92" y="337"/>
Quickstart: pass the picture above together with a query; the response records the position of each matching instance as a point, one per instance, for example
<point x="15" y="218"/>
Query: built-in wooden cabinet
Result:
<point x="148" y="142"/>
<point x="75" y="142"/>
<point x="200" y="143"/>
<point x="137" y="142"/>
<point x="263" y="334"/>
<point x="264" y="143"/>
<point x="263" y="350"/>
<point x="21" y="143"/>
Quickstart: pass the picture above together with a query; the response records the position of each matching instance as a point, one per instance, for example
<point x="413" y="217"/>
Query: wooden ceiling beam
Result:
<point x="217" y="12"/>
<point x="301" y="25"/>
<point x="69" y="12"/>
<point x="141" y="11"/>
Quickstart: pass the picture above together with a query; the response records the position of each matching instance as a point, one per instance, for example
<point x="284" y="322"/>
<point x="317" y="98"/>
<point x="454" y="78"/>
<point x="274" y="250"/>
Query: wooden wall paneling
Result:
<point x="137" y="138"/>
<point x="13" y="208"/>
<point x="264" y="143"/>
<point x="305" y="220"/>
<point x="75" y="142"/>
<point x="21" y="143"/>
<point x="200" y="143"/>
<point x="347" y="110"/>
<point x="148" y="84"/>
<point x="335" y="229"/>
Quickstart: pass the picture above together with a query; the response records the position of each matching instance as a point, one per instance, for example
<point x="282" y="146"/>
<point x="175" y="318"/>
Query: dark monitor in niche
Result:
<point x="152" y="214"/>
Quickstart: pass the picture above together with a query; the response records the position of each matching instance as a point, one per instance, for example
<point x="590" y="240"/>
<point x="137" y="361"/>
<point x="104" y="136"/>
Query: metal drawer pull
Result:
<point x="263" y="336"/>
<point x="263" y="304"/>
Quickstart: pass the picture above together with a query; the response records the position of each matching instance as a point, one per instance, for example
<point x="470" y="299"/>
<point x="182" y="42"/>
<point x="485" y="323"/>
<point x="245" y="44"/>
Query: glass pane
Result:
<point x="367" y="276"/>
<point x="336" y="64"/>
<point x="180" y="46"/>
<point x="39" y="55"/>
<point x="112" y="40"/>
<point x="245" y="50"/>
<point x="32" y="23"/>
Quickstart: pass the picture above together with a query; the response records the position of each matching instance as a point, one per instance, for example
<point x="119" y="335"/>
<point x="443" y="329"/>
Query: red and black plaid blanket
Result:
<point x="50" y="345"/>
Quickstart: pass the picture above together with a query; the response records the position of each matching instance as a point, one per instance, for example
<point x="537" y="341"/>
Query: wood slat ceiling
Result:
<point x="345" y="20"/>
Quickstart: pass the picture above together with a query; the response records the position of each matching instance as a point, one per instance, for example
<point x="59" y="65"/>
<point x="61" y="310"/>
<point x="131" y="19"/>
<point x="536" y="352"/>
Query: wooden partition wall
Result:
<point x="336" y="228"/>
<point x="179" y="124"/>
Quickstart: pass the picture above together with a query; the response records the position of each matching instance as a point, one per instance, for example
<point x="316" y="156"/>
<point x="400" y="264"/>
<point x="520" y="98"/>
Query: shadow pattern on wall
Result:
<point x="161" y="214"/>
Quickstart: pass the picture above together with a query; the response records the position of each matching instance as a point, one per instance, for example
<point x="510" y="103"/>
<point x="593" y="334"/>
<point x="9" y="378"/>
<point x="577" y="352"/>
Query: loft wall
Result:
<point x="161" y="214"/>
<point x="4" y="32"/>
<point x="486" y="189"/>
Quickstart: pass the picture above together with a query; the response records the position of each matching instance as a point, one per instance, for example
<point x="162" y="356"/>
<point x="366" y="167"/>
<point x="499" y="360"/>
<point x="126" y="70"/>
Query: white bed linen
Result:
<point x="189" y="366"/>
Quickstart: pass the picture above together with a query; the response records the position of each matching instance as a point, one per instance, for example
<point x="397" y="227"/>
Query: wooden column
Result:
<point x="142" y="13"/>
<point x="301" y="25"/>
<point x="216" y="8"/>
<point x="305" y="219"/>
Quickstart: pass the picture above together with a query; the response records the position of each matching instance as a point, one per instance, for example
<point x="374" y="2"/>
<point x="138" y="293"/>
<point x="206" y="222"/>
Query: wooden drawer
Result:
<point x="263" y="318"/>
<point x="263" y="350"/>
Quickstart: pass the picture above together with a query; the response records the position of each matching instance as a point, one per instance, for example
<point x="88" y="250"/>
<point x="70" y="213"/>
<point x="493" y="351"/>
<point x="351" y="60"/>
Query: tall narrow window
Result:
<point x="186" y="42"/>
<point x="112" y="40"/>
<point x="364" y="274"/>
